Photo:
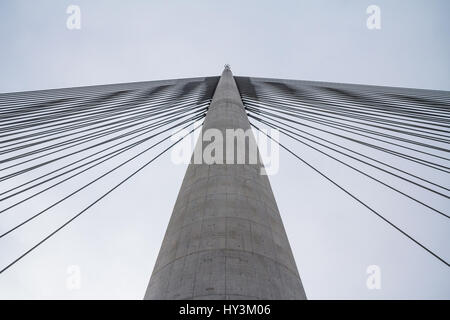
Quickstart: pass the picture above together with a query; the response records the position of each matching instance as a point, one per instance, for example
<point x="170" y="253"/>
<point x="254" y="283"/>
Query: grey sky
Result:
<point x="151" y="40"/>
<point x="333" y="239"/>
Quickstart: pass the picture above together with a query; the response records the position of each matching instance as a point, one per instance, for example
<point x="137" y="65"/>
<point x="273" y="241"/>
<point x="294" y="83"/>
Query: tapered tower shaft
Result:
<point x="225" y="238"/>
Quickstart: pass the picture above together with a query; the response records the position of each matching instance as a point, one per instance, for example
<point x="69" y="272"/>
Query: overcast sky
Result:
<point x="333" y="239"/>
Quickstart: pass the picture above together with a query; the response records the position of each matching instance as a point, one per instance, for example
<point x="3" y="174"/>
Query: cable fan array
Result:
<point x="365" y="125"/>
<point x="50" y="137"/>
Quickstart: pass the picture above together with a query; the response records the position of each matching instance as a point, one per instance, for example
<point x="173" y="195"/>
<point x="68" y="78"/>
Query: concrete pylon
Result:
<point x="225" y="238"/>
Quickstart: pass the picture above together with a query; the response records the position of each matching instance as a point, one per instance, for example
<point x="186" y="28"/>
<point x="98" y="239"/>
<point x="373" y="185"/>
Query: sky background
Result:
<point x="332" y="238"/>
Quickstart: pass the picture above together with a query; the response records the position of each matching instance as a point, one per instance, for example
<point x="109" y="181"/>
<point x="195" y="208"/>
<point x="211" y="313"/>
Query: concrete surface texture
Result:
<point x="225" y="238"/>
